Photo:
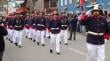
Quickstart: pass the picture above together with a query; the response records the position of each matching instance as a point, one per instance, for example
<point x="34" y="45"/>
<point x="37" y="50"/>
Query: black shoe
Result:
<point x="43" y="44"/>
<point x="26" y="36"/>
<point x="51" y="51"/>
<point x="38" y="43"/>
<point x="30" y="38"/>
<point x="58" y="53"/>
<point x="6" y="38"/>
<point x="34" y="40"/>
<point x="48" y="37"/>
<point x="16" y="44"/>
<point x="66" y="43"/>
<point x="69" y="39"/>
<point x="20" y="46"/>
<point x="11" y="41"/>
<point x="60" y="42"/>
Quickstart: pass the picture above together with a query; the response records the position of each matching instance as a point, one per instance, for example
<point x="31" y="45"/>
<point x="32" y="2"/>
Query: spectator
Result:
<point x="3" y="32"/>
<point x="73" y="24"/>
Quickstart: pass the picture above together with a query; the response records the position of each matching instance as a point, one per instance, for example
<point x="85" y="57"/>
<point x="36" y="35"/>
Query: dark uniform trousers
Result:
<point x="73" y="28"/>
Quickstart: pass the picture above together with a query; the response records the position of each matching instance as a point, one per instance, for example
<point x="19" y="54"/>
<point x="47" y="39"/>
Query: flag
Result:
<point x="82" y="2"/>
<point x="92" y="1"/>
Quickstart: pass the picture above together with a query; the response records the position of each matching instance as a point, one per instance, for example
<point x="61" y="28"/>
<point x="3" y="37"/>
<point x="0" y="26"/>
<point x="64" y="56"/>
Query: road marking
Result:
<point x="77" y="51"/>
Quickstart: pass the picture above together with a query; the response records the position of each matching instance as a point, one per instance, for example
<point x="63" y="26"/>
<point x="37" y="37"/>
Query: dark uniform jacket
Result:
<point x="41" y="23"/>
<point x="64" y="23"/>
<point x="10" y="22"/>
<point x="97" y="25"/>
<point x="73" y="24"/>
<point x="55" y="26"/>
<point x="33" y="22"/>
<point x="108" y="27"/>
<point x="3" y="32"/>
<point x="18" y="24"/>
<point x="27" y="23"/>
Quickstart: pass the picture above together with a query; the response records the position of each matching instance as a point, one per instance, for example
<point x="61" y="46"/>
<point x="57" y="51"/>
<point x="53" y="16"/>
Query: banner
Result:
<point x="82" y="2"/>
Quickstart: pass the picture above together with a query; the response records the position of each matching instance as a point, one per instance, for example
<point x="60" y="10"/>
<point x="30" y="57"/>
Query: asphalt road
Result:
<point x="75" y="51"/>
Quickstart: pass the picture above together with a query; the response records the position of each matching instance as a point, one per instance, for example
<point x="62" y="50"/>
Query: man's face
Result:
<point x="40" y="14"/>
<point x="96" y="13"/>
<point x="63" y="14"/>
<point x="17" y="15"/>
<point x="54" y="16"/>
<point x="35" y="15"/>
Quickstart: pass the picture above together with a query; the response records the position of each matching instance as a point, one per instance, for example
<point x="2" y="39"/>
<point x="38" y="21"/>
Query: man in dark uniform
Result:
<point x="107" y="36"/>
<point x="41" y="27"/>
<point x="55" y="29"/>
<point x="33" y="26"/>
<point x="3" y="32"/>
<point x="47" y="34"/>
<point x="18" y="26"/>
<point x="10" y="21"/>
<point x="97" y="27"/>
<point x="64" y="27"/>
<point x="27" y="25"/>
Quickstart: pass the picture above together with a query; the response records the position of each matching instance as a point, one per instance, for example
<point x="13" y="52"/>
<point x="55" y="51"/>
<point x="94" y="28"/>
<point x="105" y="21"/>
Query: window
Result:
<point x="65" y="2"/>
<point x="10" y="0"/>
<point x="77" y="3"/>
<point x="74" y="1"/>
<point x="62" y="1"/>
<point x="70" y="1"/>
<point x="93" y="1"/>
<point x="53" y="3"/>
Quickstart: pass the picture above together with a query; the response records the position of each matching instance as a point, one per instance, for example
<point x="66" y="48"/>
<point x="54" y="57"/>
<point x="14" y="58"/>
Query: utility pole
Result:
<point x="7" y="6"/>
<point x="30" y="1"/>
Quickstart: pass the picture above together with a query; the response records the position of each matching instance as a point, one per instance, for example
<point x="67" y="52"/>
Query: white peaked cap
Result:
<point x="96" y="7"/>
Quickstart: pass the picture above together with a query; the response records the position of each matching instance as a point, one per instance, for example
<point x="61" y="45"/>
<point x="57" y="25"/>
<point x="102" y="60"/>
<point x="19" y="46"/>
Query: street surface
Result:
<point x="75" y="51"/>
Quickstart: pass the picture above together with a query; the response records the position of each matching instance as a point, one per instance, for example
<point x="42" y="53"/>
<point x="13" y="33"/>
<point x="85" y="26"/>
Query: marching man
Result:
<point x="107" y="36"/>
<point x="41" y="28"/>
<point x="10" y="24"/>
<point x="96" y="25"/>
<point x="18" y="26"/>
<point x="27" y="25"/>
<point x="33" y="26"/>
<point x="55" y="28"/>
<point x="64" y="27"/>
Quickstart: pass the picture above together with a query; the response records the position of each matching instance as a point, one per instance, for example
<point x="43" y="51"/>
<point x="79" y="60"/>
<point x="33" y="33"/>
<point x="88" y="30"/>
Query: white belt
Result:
<point x="40" y="25"/>
<point x="34" y="24"/>
<point x="10" y="26"/>
<point x="64" y="25"/>
<point x="93" y="33"/>
<point x="54" y="28"/>
<point x="17" y="26"/>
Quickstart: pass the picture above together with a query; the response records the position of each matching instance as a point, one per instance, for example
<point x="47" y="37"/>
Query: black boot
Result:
<point x="58" y="53"/>
<point x="34" y="40"/>
<point x="48" y="37"/>
<point x="66" y="43"/>
<point x="69" y="39"/>
<point x="51" y="51"/>
<point x="38" y="43"/>
<point x="11" y="41"/>
<point x="43" y="44"/>
<point x="16" y="44"/>
<point x="20" y="46"/>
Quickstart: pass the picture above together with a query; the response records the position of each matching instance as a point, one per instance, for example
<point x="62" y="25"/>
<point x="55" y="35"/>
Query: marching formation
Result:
<point x="39" y="26"/>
